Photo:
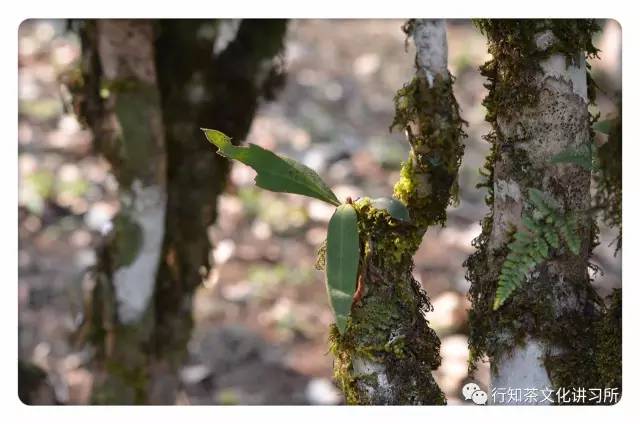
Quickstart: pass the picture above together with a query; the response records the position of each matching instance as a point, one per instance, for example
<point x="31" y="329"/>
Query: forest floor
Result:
<point x="262" y="315"/>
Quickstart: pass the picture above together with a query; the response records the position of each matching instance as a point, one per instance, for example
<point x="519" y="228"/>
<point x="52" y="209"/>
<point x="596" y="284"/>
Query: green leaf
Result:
<point x="343" y="255"/>
<point x="128" y="239"/>
<point x="275" y="173"/>
<point x="396" y="208"/>
<point x="569" y="232"/>
<point x="502" y="294"/>
<point x="582" y="156"/>
<point x="542" y="248"/>
<point x="604" y="126"/>
<point x="542" y="202"/>
<point x="552" y="238"/>
<point x="544" y="227"/>
<point x="530" y="224"/>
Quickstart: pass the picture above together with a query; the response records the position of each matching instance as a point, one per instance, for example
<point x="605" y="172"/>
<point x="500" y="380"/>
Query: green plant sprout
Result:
<point x="285" y="175"/>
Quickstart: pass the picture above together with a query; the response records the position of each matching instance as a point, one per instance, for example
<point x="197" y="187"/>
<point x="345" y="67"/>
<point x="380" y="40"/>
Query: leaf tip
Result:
<point x="341" y="323"/>
<point x="497" y="303"/>
<point x="216" y="137"/>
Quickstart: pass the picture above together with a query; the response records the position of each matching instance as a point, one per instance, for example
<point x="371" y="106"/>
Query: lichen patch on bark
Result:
<point x="134" y="282"/>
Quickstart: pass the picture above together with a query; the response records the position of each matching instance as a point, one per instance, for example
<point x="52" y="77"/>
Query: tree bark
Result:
<point x="148" y="88"/>
<point x="388" y="351"/>
<point x="544" y="336"/>
<point x="122" y="106"/>
<point x="199" y="89"/>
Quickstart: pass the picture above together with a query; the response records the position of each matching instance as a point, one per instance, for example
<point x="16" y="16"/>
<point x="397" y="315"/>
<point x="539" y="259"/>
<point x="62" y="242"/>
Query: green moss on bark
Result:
<point x="431" y="118"/>
<point x="387" y="326"/>
<point x="576" y="336"/>
<point x="388" y="351"/>
<point x="517" y="57"/>
<point x="609" y="335"/>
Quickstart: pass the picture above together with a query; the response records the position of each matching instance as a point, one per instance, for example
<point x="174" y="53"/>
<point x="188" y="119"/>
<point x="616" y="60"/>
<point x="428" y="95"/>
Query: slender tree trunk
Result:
<point x="123" y="109"/>
<point x="388" y="351"/>
<point x="545" y="335"/>
<point x="148" y="88"/>
<point x="199" y="89"/>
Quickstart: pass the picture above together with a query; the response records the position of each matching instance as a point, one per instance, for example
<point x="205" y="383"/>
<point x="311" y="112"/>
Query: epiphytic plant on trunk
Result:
<point x="383" y="347"/>
<point x="342" y="249"/>
<point x="535" y="313"/>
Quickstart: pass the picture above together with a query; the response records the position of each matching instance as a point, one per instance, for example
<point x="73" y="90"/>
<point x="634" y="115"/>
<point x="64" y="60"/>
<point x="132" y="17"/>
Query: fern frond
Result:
<point x="544" y="227"/>
<point x="569" y="232"/>
<point x="582" y="156"/>
<point x="552" y="238"/>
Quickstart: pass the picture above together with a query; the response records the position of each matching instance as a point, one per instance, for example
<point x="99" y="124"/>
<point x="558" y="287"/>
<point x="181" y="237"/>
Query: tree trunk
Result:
<point x="148" y="88"/>
<point x="544" y="337"/>
<point x="199" y="90"/>
<point x="388" y="352"/>
<point x="122" y="106"/>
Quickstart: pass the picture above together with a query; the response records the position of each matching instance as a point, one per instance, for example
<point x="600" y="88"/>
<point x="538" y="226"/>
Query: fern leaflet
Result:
<point x="544" y="228"/>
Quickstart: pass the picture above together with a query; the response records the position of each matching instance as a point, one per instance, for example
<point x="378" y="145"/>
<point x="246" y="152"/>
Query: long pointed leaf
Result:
<point x="274" y="173"/>
<point x="343" y="253"/>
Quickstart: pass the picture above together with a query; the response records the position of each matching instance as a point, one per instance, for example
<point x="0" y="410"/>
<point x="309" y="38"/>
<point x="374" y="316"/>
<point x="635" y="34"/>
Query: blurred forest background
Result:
<point x="262" y="316"/>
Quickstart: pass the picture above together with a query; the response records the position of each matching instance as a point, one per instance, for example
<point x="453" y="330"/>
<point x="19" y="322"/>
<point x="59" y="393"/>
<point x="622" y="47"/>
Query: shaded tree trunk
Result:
<point x="222" y="91"/>
<point x="34" y="387"/>
<point x="124" y="111"/>
<point x="148" y="88"/>
<point x="388" y="351"/>
<point x="546" y="336"/>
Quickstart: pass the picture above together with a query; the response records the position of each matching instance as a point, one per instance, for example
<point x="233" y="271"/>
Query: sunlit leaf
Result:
<point x="343" y="253"/>
<point x="274" y="173"/>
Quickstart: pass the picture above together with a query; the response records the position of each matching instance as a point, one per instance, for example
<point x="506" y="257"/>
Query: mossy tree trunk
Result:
<point x="547" y="335"/>
<point x="148" y="86"/>
<point x="388" y="351"/>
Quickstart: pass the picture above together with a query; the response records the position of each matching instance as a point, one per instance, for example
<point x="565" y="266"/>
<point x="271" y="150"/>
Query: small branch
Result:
<point x="427" y="111"/>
